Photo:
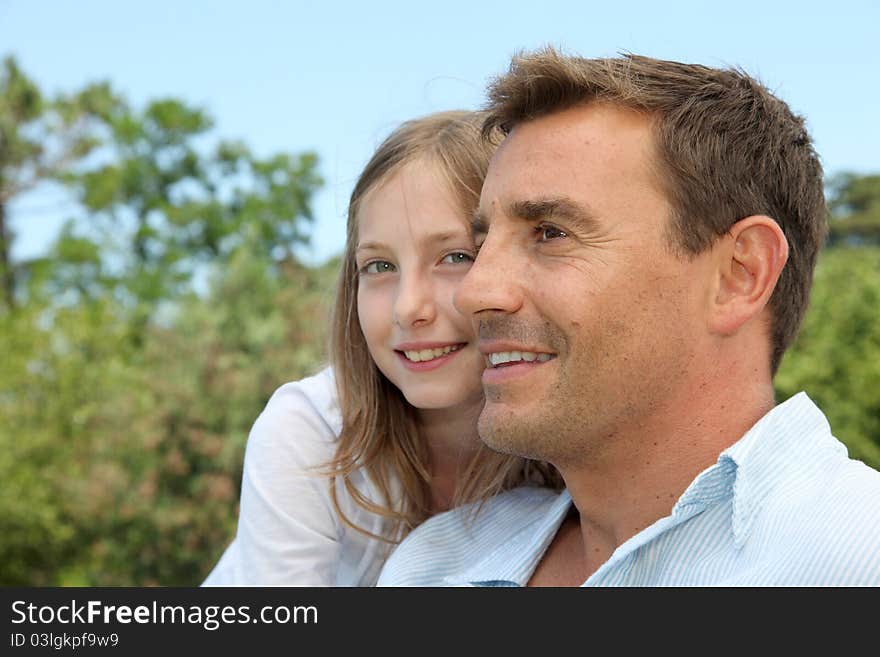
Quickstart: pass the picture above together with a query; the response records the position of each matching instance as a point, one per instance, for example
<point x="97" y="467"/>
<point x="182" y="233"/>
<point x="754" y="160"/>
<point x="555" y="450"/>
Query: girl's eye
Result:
<point x="458" y="258"/>
<point x="547" y="232"/>
<point x="377" y="267"/>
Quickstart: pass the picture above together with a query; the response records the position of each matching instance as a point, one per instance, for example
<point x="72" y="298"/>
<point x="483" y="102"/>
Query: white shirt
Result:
<point x="783" y="506"/>
<point x="289" y="533"/>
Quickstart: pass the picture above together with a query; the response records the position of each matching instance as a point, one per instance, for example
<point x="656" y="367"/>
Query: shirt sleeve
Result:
<point x="288" y="531"/>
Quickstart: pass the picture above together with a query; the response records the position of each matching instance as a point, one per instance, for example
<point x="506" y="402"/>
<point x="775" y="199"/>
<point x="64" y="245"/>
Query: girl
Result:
<point x="342" y="465"/>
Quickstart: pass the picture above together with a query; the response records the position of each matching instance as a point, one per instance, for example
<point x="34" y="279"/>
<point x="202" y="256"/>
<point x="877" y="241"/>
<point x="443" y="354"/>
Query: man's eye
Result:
<point x="546" y="232"/>
<point x="376" y="267"/>
<point x="457" y="258"/>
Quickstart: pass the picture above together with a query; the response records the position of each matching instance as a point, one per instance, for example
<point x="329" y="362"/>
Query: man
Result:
<point x="646" y="240"/>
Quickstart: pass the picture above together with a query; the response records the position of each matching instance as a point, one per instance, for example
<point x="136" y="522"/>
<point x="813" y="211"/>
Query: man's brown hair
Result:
<point x="726" y="149"/>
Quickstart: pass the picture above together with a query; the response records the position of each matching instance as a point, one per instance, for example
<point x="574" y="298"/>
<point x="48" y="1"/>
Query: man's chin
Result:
<point x="507" y="434"/>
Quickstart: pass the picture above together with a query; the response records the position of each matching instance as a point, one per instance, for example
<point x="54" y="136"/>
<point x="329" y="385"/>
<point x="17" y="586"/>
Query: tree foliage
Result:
<point x="164" y="207"/>
<point x="121" y="464"/>
<point x="129" y="388"/>
<point x="855" y="209"/>
<point x="836" y="357"/>
<point x="40" y="140"/>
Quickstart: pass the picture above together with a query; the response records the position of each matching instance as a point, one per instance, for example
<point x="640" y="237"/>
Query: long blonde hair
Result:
<point x="379" y="434"/>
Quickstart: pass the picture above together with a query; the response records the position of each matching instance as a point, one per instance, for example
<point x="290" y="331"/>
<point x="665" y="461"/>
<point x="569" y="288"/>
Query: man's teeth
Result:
<point x="430" y="354"/>
<point x="502" y="357"/>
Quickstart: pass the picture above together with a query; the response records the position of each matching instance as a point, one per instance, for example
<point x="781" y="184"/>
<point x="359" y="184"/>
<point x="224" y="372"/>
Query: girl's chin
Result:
<point x="442" y="398"/>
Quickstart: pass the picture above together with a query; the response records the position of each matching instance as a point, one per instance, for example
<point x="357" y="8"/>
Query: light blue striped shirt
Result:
<point x="783" y="506"/>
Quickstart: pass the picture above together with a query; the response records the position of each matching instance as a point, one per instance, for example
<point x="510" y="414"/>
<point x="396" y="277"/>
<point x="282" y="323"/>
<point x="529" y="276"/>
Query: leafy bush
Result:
<point x="121" y="460"/>
<point x="836" y="358"/>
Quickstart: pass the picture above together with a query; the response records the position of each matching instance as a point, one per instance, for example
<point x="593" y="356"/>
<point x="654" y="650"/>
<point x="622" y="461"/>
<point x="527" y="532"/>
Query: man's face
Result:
<point x="587" y="317"/>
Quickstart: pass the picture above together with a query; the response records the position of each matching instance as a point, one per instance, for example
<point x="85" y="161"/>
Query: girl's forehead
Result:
<point x="413" y="203"/>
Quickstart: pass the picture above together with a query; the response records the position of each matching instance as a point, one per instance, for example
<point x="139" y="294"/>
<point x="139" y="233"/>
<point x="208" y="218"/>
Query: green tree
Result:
<point x="205" y="378"/>
<point x="60" y="366"/>
<point x="40" y="139"/>
<point x="121" y="463"/>
<point x="165" y="205"/>
<point x="836" y="357"/>
<point x="127" y="394"/>
<point x="854" y="205"/>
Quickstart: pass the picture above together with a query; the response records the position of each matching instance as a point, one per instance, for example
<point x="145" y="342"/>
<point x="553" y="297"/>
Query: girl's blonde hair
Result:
<point x="379" y="435"/>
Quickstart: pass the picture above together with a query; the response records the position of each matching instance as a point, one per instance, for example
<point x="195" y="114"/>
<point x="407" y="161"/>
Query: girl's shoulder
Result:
<point x="311" y="402"/>
<point x="298" y="427"/>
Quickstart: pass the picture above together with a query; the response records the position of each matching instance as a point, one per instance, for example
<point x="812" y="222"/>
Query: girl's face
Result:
<point x="414" y="247"/>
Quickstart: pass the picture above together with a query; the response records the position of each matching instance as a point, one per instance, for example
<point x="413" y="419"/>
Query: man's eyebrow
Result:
<point x="479" y="224"/>
<point x="547" y="209"/>
<point x="550" y="209"/>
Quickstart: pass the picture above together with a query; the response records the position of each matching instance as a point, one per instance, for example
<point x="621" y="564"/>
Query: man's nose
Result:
<point x="415" y="304"/>
<point x="492" y="283"/>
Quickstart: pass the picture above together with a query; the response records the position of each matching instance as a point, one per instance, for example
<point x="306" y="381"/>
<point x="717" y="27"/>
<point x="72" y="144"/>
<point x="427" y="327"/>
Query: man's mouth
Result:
<point x="501" y="358"/>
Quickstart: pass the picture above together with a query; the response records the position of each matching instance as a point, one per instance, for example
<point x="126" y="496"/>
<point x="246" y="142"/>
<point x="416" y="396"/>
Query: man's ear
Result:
<point x="750" y="259"/>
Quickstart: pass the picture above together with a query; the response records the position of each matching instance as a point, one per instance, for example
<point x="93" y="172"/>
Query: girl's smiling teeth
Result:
<point x="422" y="355"/>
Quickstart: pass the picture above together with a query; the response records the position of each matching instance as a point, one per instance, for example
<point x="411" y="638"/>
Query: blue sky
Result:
<point x="336" y="77"/>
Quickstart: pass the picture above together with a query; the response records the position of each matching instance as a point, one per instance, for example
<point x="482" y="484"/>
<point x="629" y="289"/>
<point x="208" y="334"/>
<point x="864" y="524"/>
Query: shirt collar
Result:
<point x="754" y="465"/>
<point x="514" y="560"/>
